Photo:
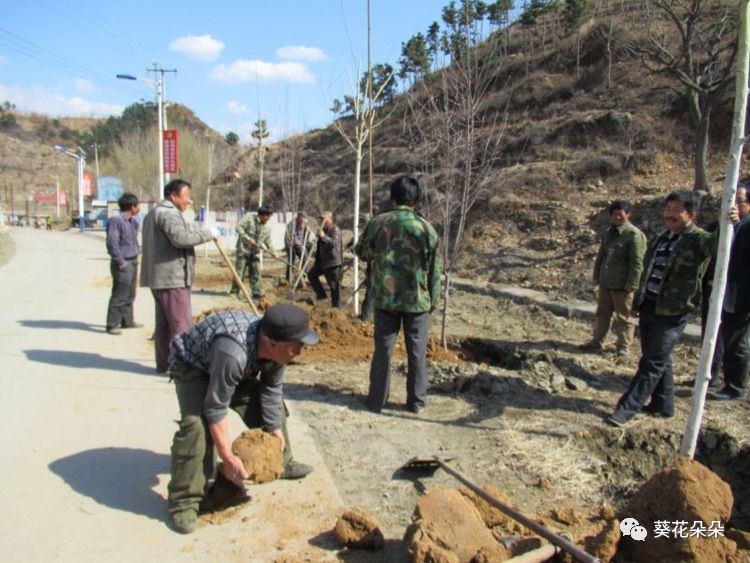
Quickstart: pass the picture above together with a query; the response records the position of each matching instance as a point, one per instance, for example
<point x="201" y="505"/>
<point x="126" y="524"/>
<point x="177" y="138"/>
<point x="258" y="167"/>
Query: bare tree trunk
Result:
<point x="690" y="437"/>
<point x="444" y="319"/>
<point x="701" y="151"/>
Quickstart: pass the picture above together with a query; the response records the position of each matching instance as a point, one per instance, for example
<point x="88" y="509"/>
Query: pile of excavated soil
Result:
<point x="356" y="528"/>
<point x="598" y="534"/>
<point x="448" y="527"/>
<point x="687" y="492"/>
<point x="260" y="454"/>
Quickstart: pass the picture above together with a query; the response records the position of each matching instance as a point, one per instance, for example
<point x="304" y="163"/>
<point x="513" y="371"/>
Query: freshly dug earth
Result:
<point x="521" y="409"/>
<point x="687" y="492"/>
<point x="260" y="454"/>
<point x="447" y="527"/>
<point x="355" y="528"/>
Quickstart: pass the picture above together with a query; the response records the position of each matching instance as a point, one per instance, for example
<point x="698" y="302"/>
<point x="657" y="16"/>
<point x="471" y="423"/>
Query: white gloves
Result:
<point x="215" y="233"/>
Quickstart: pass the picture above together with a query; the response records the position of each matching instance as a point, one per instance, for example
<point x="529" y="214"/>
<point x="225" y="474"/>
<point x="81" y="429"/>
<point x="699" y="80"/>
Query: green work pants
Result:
<point x="248" y="266"/>
<point x="193" y="455"/>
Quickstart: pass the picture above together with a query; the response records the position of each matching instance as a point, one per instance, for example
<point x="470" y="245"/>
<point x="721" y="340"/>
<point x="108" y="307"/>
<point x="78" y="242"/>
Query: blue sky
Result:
<point x="283" y="59"/>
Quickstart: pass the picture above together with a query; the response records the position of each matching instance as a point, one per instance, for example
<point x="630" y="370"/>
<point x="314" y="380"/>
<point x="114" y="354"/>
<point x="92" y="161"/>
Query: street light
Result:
<point x="159" y="142"/>
<point x="80" y="156"/>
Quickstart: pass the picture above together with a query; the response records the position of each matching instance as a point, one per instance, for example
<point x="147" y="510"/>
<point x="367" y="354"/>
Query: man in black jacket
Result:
<point x="735" y="314"/>
<point x="328" y="260"/>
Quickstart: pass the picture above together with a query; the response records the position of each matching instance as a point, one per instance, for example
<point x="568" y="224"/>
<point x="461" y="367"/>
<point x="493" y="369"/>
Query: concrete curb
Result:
<point x="571" y="309"/>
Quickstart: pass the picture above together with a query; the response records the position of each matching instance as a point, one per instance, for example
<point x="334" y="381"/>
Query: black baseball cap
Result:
<point x="285" y="323"/>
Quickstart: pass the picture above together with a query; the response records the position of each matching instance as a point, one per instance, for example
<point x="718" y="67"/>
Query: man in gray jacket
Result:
<point x="617" y="271"/>
<point x="231" y="360"/>
<point x="168" y="264"/>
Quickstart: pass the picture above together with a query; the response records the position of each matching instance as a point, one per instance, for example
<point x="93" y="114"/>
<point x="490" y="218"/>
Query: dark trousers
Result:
<point x="659" y="334"/>
<point x="120" y="309"/>
<point x="332" y="276"/>
<point x="387" y="326"/>
<point x="368" y="303"/>
<point x="173" y="315"/>
<point x="193" y="453"/>
<point x="735" y="333"/>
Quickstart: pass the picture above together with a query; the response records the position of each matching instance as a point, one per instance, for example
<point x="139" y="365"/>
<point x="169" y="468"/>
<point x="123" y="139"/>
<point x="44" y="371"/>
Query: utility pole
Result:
<point x="161" y="89"/>
<point x="96" y="160"/>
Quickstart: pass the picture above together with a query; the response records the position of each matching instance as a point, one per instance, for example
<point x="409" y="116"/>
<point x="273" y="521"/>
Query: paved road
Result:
<point x="87" y="423"/>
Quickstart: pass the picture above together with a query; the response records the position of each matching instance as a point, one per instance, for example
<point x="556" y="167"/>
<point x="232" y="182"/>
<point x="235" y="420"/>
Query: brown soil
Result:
<point x="260" y="454"/>
<point x="447" y="527"/>
<point x="687" y="492"/>
<point x="357" y="529"/>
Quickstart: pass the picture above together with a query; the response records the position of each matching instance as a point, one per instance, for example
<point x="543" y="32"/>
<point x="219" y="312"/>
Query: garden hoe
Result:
<point x="431" y="464"/>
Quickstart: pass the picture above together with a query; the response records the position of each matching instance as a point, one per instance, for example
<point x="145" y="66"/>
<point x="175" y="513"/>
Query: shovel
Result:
<point x="431" y="464"/>
<point x="236" y="276"/>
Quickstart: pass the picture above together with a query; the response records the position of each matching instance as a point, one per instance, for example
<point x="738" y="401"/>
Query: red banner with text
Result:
<point x="171" y="153"/>
<point x="88" y="182"/>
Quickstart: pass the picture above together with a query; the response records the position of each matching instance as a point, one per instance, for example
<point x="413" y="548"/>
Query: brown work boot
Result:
<point x="223" y="494"/>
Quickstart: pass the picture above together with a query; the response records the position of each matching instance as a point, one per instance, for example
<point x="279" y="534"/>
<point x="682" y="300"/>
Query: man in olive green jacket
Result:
<point x="669" y="291"/>
<point x="617" y="271"/>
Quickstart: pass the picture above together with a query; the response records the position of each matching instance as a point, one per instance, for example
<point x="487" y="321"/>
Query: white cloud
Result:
<point x="250" y="70"/>
<point x="200" y="47"/>
<point x="301" y="53"/>
<point x="83" y="86"/>
<point x="235" y="108"/>
<point x="41" y="101"/>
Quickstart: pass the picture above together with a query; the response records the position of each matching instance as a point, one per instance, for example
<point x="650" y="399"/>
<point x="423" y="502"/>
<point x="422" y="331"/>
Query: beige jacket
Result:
<point x="168" y="255"/>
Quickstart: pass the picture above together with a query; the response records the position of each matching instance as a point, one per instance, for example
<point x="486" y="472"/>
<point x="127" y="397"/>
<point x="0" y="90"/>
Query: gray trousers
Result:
<point x="387" y="326"/>
<point x="120" y="308"/>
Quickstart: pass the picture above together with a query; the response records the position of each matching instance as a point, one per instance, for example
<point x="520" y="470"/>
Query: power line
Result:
<point x="22" y="46"/>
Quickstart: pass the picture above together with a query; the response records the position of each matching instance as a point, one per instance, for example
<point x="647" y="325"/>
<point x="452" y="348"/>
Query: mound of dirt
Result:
<point x="355" y="528"/>
<point x="447" y="527"/>
<point x="260" y="454"/>
<point x="493" y="516"/>
<point x="687" y="492"/>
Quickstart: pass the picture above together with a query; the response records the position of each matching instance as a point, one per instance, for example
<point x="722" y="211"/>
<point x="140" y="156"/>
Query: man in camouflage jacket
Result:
<point x="669" y="291"/>
<point x="253" y="235"/>
<point x="617" y="271"/>
<point x="402" y="247"/>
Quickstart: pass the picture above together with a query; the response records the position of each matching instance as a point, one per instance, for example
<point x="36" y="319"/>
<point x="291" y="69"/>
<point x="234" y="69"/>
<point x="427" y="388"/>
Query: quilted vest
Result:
<point x="191" y="346"/>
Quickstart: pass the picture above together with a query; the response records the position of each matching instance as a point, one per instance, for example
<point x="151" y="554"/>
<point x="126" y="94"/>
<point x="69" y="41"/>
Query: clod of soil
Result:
<point x="355" y="528"/>
<point x="492" y="516"/>
<point x="687" y="492"/>
<point x="603" y="545"/>
<point x="446" y="527"/>
<point x="260" y="454"/>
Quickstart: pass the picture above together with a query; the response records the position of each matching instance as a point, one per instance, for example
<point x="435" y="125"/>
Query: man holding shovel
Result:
<point x="232" y="359"/>
<point x="253" y="236"/>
